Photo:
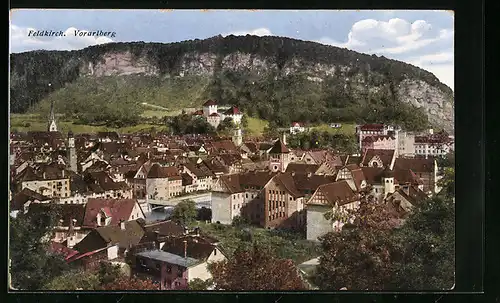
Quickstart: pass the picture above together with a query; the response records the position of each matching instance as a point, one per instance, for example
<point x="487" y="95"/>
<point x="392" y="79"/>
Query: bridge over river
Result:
<point x="201" y="200"/>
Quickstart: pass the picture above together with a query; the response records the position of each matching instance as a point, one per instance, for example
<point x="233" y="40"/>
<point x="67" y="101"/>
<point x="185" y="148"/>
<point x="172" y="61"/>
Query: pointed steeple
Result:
<point x="52" y="127"/>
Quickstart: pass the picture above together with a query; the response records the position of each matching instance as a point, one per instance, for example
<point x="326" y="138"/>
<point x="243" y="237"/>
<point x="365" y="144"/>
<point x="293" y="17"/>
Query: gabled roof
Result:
<point x="418" y="165"/>
<point x="232" y="111"/>
<point x="279" y="148"/>
<point x="373" y="175"/>
<point x="287" y="180"/>
<point x="121" y="210"/>
<point x="106" y="236"/>
<point x="165" y="228"/>
<point x="309" y="182"/>
<point x="297" y="124"/>
<point x="413" y="194"/>
<point x="385" y="155"/>
<point x="337" y="192"/>
<point x="196" y="250"/>
<point x="158" y="171"/>
<point x="25" y="195"/>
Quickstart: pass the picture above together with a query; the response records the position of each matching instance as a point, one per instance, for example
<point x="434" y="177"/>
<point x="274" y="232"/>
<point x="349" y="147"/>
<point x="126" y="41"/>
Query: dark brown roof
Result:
<point x="199" y="170"/>
<point x="121" y="209"/>
<point x="165" y="228"/>
<point x="195" y="249"/>
<point x="302" y="168"/>
<point x="406" y="176"/>
<point x="279" y="148"/>
<point x="375" y="138"/>
<point x="105" y="236"/>
<point x="186" y="179"/>
<point x="64" y="212"/>
<point x="358" y="177"/>
<point x="338" y="192"/>
<point x="25" y="195"/>
<point x="287" y="180"/>
<point x="385" y="156"/>
<point x="418" y="165"/>
<point x="158" y="171"/>
<point x="373" y="175"/>
<point x="353" y="160"/>
<point x="413" y="194"/>
<point x="101" y="182"/>
<point x="309" y="182"/>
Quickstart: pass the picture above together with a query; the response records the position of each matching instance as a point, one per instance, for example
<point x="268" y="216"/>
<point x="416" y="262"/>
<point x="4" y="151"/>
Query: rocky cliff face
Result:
<point x="360" y="74"/>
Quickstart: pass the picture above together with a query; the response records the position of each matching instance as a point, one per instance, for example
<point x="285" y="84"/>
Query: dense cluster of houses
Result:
<point x="98" y="182"/>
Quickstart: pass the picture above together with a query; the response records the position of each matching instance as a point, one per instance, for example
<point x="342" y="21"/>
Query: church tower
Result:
<point x="237" y="137"/>
<point x="71" y="153"/>
<point x="52" y="127"/>
<point x="388" y="180"/>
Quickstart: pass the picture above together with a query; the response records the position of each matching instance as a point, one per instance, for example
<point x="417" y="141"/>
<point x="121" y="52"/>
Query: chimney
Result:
<point x="185" y="248"/>
<point x="284" y="138"/>
<point x="122" y="224"/>
<point x="293" y="173"/>
<point x="62" y="173"/>
<point x="44" y="175"/>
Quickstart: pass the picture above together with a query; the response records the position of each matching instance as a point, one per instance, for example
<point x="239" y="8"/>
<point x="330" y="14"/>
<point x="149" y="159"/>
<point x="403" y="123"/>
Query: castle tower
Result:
<point x="237" y="137"/>
<point x="209" y="108"/>
<point x="388" y="180"/>
<point x="52" y="127"/>
<point x="72" y="165"/>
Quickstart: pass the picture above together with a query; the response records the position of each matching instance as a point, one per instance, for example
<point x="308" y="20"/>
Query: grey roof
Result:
<point x="164" y="256"/>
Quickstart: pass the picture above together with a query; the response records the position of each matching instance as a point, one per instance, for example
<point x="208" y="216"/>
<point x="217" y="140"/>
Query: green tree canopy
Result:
<point x="185" y="212"/>
<point x="32" y="264"/>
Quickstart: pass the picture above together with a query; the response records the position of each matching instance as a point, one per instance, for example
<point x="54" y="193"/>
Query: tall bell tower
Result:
<point x="72" y="165"/>
<point x="52" y="127"/>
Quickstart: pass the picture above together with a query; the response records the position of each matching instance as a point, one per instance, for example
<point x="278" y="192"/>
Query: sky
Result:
<point x="423" y="38"/>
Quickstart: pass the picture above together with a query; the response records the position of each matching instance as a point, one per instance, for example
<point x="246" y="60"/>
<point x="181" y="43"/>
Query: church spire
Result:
<point x="52" y="118"/>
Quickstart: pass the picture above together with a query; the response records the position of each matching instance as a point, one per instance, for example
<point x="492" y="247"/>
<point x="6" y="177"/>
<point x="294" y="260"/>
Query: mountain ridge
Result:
<point x="234" y="62"/>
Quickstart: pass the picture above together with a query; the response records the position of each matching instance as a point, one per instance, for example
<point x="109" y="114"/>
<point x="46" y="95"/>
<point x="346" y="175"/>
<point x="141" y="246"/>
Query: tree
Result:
<point x="356" y="259"/>
<point x="239" y="221"/>
<point x="74" y="280"/>
<point x="428" y="243"/>
<point x="226" y="125"/>
<point x="447" y="183"/>
<point x="244" y="121"/>
<point x="199" y="284"/>
<point x="32" y="264"/>
<point x="256" y="268"/>
<point x="204" y="214"/>
<point x="108" y="273"/>
<point x="185" y="212"/>
<point x="133" y="283"/>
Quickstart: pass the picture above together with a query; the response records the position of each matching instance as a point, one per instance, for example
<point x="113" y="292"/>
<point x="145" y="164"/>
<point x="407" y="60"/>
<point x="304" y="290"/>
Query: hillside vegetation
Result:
<point x="273" y="94"/>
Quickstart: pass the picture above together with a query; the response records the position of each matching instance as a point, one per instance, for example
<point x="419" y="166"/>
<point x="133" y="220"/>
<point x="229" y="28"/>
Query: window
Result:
<point x="132" y="217"/>
<point x="246" y="196"/>
<point x="215" y="252"/>
<point x="290" y="198"/>
<point x="169" y="268"/>
<point x="158" y="266"/>
<point x="179" y="273"/>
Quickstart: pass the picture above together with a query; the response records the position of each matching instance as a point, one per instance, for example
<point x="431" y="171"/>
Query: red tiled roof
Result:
<point x="198" y="113"/>
<point x="297" y="124"/>
<point x="119" y="209"/>
<point x="209" y="103"/>
<point x="233" y="111"/>
<point x="385" y="156"/>
<point x="214" y="115"/>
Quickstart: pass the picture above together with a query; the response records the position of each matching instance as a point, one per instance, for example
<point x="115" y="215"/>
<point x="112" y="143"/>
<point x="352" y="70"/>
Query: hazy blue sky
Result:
<point x="422" y="38"/>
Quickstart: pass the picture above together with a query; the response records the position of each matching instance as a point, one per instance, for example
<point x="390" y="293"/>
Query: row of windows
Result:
<point x="276" y="216"/>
